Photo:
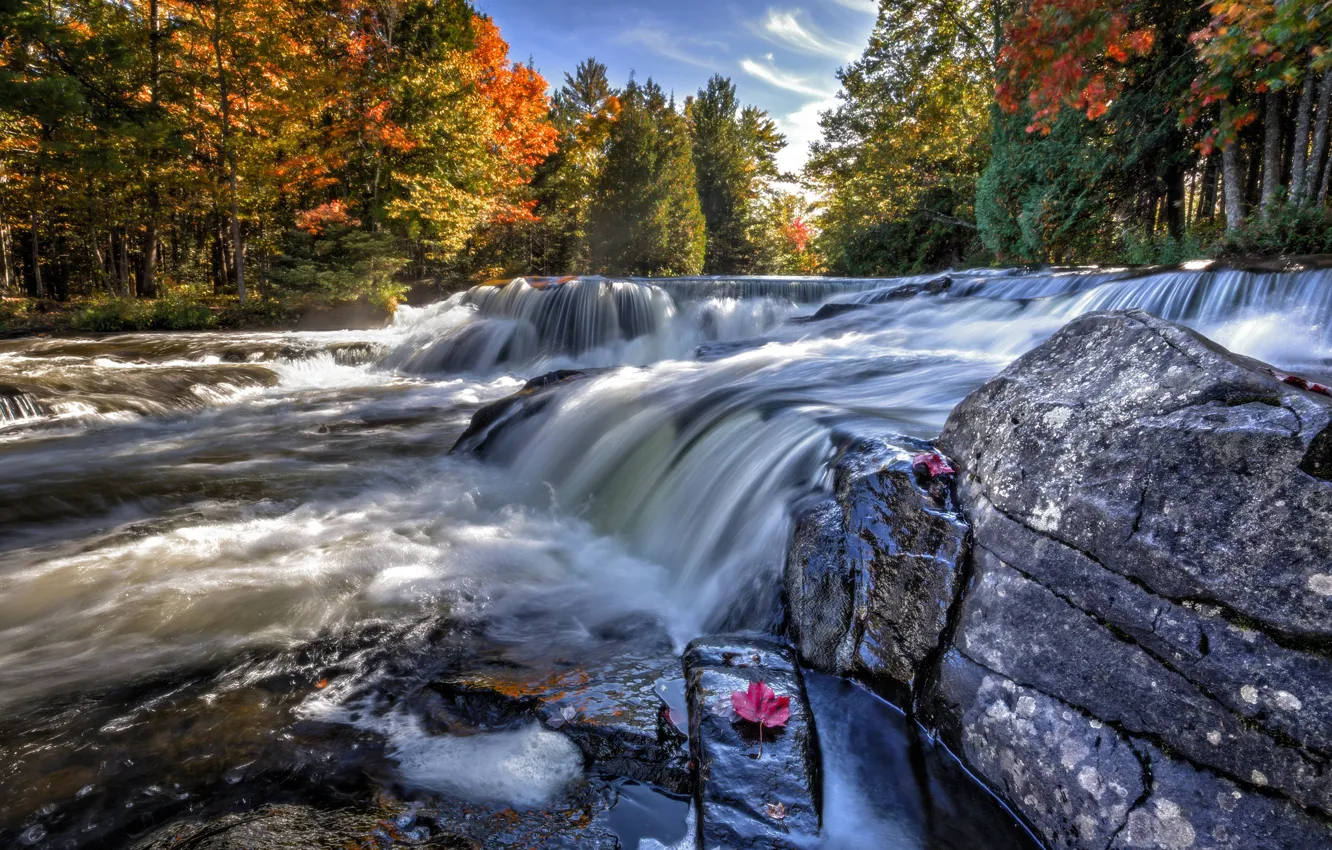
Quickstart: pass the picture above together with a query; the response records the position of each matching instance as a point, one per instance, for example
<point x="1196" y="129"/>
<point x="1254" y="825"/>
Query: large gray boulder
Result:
<point x="1142" y="653"/>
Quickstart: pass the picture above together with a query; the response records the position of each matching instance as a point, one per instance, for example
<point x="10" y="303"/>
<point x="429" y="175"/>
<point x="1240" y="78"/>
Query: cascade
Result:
<point x="282" y="507"/>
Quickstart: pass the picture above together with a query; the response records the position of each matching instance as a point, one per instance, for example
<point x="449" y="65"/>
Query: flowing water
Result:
<point x="199" y="531"/>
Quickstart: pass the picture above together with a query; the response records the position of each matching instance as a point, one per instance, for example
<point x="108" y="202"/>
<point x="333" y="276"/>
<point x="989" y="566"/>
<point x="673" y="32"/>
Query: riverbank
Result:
<point x="20" y="317"/>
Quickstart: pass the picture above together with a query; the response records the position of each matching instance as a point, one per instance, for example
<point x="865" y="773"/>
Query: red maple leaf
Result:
<point x="760" y="705"/>
<point x="1302" y="383"/>
<point x="934" y="463"/>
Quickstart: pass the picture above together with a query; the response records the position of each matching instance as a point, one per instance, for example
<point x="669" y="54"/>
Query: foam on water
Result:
<point x="526" y="767"/>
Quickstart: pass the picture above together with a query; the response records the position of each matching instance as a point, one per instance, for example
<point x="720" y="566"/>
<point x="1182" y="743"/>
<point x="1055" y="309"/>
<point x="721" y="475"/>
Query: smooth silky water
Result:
<point x="224" y="558"/>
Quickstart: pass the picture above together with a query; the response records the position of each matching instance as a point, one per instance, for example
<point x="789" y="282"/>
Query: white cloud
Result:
<point x="788" y="30"/>
<point x="770" y="74"/>
<point x="688" y="50"/>
<point x="802" y="129"/>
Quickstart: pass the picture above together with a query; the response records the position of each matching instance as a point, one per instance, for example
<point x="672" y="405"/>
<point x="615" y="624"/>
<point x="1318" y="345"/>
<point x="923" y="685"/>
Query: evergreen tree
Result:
<point x="908" y="139"/>
<point x="645" y="217"/>
<point x="734" y="157"/>
<point x="1043" y="196"/>
<point x="721" y="164"/>
<point x="582" y="111"/>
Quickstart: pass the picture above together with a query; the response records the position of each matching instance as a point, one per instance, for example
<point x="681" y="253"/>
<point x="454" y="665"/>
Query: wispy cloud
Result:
<point x="867" y="6"/>
<point x="773" y="76"/>
<point x="690" y="51"/>
<point x="789" y="30"/>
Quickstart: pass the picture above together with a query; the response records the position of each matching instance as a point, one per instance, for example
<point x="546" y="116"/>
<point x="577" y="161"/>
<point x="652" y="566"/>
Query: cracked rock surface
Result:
<point x="1143" y="656"/>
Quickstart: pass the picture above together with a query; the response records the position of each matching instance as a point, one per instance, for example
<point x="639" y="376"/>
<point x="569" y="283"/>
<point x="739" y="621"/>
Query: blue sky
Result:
<point x="781" y="56"/>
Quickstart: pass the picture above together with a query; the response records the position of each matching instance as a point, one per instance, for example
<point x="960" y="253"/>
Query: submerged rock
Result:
<point x="934" y="286"/>
<point x="827" y="311"/>
<point x="873" y="569"/>
<point x="744" y="799"/>
<point x="527" y="402"/>
<point x="1141" y="657"/>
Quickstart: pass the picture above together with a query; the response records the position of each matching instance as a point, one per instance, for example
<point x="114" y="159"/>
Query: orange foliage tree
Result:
<point x="1066" y="53"/>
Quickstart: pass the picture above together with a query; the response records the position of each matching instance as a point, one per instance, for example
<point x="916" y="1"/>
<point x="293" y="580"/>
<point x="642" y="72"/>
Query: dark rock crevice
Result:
<point x="1316" y="757"/>
<point x="1286" y="640"/>
<point x="1318" y="460"/>
<point x="1145" y="761"/>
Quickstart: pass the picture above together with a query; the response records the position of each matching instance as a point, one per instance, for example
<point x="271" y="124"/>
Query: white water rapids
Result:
<point x="168" y="502"/>
<point x="165" y="498"/>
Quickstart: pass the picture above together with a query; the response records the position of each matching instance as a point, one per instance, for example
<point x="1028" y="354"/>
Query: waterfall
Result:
<point x="251" y="497"/>
<point x="19" y="407"/>
<point x="592" y="319"/>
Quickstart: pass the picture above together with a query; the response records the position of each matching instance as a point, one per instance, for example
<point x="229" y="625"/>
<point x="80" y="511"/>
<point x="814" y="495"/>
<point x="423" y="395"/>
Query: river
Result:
<point x="214" y="547"/>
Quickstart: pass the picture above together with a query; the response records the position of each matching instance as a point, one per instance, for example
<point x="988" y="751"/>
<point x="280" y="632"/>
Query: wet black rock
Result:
<point x="873" y="569"/>
<point x="827" y="311"/>
<point x="709" y="351"/>
<point x="357" y="353"/>
<point x="299" y="827"/>
<point x="744" y="800"/>
<point x="1142" y="655"/>
<point x="934" y="286"/>
<point x="612" y="706"/>
<point x="525" y="403"/>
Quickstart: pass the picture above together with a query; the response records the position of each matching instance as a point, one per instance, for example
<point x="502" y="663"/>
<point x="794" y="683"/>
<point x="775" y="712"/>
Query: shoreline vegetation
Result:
<point x="100" y="314"/>
<point x="181" y="165"/>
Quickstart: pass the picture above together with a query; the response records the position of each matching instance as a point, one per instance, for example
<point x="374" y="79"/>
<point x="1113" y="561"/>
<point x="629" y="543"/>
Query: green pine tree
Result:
<point x="645" y="217"/>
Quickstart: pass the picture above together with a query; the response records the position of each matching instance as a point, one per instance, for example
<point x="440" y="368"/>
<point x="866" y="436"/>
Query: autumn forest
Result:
<point x="197" y="153"/>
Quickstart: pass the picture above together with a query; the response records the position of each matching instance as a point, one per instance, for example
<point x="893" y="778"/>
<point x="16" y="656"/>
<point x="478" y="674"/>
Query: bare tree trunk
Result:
<point x="1174" y="200"/>
<point x="1234" y="191"/>
<point x="35" y="278"/>
<point x="124" y="265"/>
<point x="102" y="276"/>
<point x="6" y="263"/>
<point x="216" y="256"/>
<point x="1300" y="151"/>
<point x="1207" y="205"/>
<point x="1271" y="153"/>
<point x="225" y="96"/>
<point x="1314" y="168"/>
<point x="1327" y="177"/>
<point x="236" y="242"/>
<point x="148" y="269"/>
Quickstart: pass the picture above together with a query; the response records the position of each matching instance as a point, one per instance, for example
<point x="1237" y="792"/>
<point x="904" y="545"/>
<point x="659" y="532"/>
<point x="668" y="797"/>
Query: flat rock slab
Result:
<point x="744" y="801"/>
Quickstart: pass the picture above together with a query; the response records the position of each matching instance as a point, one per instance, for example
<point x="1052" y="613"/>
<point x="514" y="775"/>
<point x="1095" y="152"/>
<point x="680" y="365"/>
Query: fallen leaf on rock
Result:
<point x="760" y="704"/>
<point x="1302" y="383"/>
<point x="934" y="464"/>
